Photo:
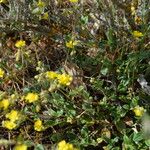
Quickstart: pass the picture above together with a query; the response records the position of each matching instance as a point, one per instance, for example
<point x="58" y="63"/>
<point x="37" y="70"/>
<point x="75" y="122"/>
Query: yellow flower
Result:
<point x="31" y="97"/>
<point x="133" y="10"/>
<point x="20" y="44"/>
<point x="3" y="1"/>
<point x="61" y="144"/>
<point x="64" y="79"/>
<point x="65" y="146"/>
<point x="21" y="147"/>
<point x="139" y="111"/>
<point x="38" y="125"/>
<point x="9" y="124"/>
<point x="71" y="44"/>
<point x="4" y="104"/>
<point x="41" y="4"/>
<point x="137" y="34"/>
<point x="13" y="115"/>
<point x="51" y="75"/>
<point x="45" y="16"/>
<point x="73" y="1"/>
<point x="1" y="73"/>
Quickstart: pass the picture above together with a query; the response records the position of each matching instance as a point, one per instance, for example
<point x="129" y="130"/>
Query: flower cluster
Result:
<point x="12" y="117"/>
<point x="62" y="79"/>
<point x="65" y="146"/>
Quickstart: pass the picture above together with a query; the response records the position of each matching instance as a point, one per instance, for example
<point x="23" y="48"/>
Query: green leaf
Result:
<point x="104" y="71"/>
<point x="102" y="44"/>
<point x="126" y="107"/>
<point x="52" y="123"/>
<point x="84" y="19"/>
<point x="39" y="147"/>
<point x="126" y="140"/>
<point x="71" y="136"/>
<point x="57" y="137"/>
<point x="137" y="137"/>
<point x="37" y="11"/>
<point x="121" y="127"/>
<point x="147" y="142"/>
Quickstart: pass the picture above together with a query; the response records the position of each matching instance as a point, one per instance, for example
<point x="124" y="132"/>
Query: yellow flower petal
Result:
<point x="133" y="10"/>
<point x="41" y="4"/>
<point x="139" y="111"/>
<point x="64" y="79"/>
<point x="38" y="125"/>
<point x="45" y="16"/>
<point x="62" y="145"/>
<point x="13" y="115"/>
<point x="73" y="1"/>
<point x="71" y="44"/>
<point x="3" y="1"/>
<point x="4" y="104"/>
<point x="51" y="75"/>
<point x="1" y="73"/>
<point x="20" y="44"/>
<point x="137" y="34"/>
<point x="21" y="147"/>
<point x="31" y="97"/>
<point x="9" y="124"/>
